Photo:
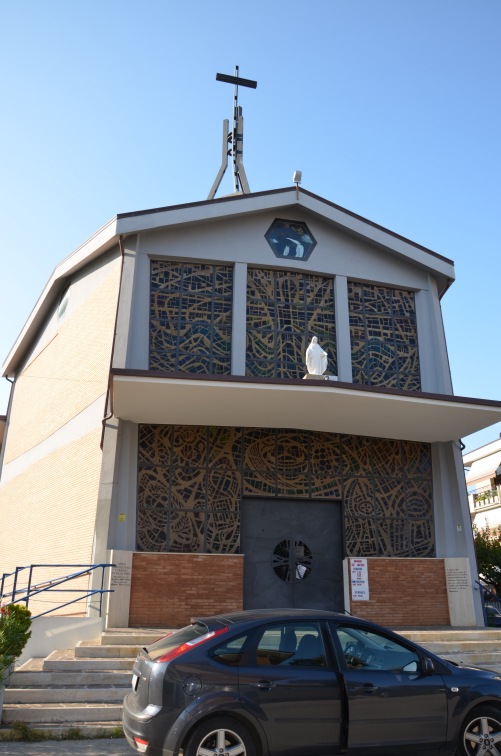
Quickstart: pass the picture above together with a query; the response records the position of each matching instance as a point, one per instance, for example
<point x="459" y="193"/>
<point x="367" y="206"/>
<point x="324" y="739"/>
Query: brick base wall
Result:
<point x="405" y="593"/>
<point x="167" y="590"/>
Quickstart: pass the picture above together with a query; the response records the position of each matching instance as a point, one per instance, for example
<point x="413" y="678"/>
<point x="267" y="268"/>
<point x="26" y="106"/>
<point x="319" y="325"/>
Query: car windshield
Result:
<point x="368" y="638"/>
<point x="175" y="639"/>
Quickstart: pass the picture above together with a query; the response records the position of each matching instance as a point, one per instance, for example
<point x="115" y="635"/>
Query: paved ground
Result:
<point x="100" y="747"/>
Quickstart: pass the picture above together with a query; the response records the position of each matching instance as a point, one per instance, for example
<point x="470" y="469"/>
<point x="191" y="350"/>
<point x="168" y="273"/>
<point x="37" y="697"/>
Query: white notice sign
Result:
<point x="359" y="580"/>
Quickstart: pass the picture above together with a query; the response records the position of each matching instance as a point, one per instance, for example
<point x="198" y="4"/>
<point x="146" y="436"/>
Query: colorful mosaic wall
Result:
<point x="191" y="480"/>
<point x="384" y="346"/>
<point x="190" y="317"/>
<point x="284" y="310"/>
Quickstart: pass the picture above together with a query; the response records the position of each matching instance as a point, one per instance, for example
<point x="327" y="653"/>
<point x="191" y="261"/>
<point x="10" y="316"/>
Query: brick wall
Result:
<point x="167" y="590"/>
<point x="405" y="593"/>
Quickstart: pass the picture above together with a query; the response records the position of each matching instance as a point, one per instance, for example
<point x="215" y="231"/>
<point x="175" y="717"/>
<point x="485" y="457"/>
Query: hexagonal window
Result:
<point x="290" y="239"/>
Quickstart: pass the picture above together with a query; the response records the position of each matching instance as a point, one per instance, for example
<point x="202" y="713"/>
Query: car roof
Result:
<point x="251" y="615"/>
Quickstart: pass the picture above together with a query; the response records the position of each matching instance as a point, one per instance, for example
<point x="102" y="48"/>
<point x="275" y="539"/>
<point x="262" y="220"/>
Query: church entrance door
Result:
<point x="293" y="554"/>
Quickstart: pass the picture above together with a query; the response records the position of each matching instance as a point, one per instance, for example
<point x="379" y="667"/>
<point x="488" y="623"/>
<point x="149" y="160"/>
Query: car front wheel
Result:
<point x="481" y="733"/>
<point x="220" y="736"/>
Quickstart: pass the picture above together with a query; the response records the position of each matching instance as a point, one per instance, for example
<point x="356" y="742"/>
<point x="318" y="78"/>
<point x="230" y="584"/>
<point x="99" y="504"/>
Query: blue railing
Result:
<point x="490" y="599"/>
<point x="21" y="591"/>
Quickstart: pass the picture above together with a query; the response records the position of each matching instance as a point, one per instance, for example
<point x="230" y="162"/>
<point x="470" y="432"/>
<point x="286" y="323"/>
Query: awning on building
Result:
<point x="485" y="468"/>
<point x="153" y="398"/>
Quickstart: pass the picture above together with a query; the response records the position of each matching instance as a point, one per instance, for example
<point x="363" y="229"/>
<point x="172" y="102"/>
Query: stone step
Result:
<point x="65" y="695"/>
<point x="132" y="635"/>
<point x="473" y="657"/>
<point x="465" y="646"/>
<point x="59" y="731"/>
<point x="66" y="661"/>
<point x="431" y="636"/>
<point x="62" y="713"/>
<point x="28" y="678"/>
<point x="96" y="650"/>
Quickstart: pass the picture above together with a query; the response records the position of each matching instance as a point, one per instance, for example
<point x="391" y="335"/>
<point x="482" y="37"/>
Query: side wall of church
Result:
<point x="52" y="460"/>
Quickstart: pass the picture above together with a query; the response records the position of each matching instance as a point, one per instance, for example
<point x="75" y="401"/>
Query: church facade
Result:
<point x="163" y="418"/>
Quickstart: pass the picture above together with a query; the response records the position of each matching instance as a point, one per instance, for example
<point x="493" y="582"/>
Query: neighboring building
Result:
<point x="160" y="418"/>
<point x="483" y="480"/>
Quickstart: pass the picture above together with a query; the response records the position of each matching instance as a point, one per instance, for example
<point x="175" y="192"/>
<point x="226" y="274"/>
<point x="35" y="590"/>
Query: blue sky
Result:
<point x="391" y="108"/>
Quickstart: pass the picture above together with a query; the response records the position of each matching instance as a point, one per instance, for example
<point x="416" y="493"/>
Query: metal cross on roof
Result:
<point x="233" y="141"/>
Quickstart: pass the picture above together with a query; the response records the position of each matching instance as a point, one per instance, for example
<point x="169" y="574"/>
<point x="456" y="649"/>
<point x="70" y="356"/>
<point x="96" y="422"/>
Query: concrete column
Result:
<point x="433" y="359"/>
<point x="453" y="533"/>
<point x="239" y="322"/>
<point x="344" y="370"/>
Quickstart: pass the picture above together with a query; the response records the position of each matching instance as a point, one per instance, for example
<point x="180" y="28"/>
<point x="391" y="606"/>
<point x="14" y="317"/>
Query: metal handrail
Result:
<point x="25" y="593"/>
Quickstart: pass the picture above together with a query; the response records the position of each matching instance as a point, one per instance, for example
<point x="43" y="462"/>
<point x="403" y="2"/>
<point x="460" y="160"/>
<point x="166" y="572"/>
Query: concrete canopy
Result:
<point x="145" y="397"/>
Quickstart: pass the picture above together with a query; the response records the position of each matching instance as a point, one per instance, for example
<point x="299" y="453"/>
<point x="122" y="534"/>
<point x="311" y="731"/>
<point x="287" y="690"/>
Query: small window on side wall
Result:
<point x="63" y="303"/>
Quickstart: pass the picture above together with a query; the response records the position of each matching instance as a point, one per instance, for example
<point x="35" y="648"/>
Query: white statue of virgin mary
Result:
<point x="316" y="358"/>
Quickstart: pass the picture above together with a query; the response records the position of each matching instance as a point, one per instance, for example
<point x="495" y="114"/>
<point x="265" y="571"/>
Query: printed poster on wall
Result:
<point x="359" y="580"/>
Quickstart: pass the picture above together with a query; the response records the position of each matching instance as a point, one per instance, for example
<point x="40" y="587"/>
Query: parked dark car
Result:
<point x="296" y="682"/>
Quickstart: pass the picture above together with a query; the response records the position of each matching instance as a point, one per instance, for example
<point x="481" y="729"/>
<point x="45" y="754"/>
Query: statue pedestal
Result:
<point x="324" y="377"/>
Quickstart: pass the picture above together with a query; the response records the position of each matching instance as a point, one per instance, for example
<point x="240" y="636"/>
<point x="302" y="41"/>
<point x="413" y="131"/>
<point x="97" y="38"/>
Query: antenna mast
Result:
<point x="233" y="141"/>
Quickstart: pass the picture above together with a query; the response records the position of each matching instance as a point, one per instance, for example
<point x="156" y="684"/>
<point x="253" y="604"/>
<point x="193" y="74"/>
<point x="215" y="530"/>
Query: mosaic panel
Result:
<point x="225" y="447"/>
<point x="389" y="497"/>
<point x="223" y="532"/>
<point x="416" y="459"/>
<point x="223" y="490"/>
<point x="360" y="536"/>
<point x="359" y="497"/>
<point x="325" y="457"/>
<point x="155" y="442"/>
<point x="386" y="457"/>
<point x="152" y="529"/>
<point x="356" y="455"/>
<point x="190" y="317"/>
<point x="421" y="538"/>
<point x="284" y="310"/>
<point x="383" y="333"/>
<point x="189" y="445"/>
<point x="186" y="532"/>
<point x="188" y="488"/>
<point x="191" y="481"/>
<point x="393" y="536"/>
<point x="418" y="495"/>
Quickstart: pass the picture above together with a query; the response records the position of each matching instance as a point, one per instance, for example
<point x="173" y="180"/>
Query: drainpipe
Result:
<point x="7" y="421"/>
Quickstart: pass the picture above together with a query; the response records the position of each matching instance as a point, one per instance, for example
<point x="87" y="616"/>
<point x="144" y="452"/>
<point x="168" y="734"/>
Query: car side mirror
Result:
<point x="428" y="666"/>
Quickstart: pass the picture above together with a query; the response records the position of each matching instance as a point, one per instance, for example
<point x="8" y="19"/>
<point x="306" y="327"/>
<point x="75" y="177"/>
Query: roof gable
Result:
<point x="277" y="201"/>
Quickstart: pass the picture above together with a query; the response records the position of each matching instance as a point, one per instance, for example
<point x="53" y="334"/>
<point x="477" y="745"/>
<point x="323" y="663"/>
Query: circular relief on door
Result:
<point x="292" y="560"/>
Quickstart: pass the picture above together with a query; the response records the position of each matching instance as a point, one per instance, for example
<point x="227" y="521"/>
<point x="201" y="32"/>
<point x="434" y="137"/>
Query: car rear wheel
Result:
<point x="481" y="733"/>
<point x="220" y="736"/>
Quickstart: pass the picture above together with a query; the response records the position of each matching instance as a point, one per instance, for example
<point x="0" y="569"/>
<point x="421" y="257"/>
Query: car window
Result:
<point x="231" y="652"/>
<point x="294" y="644"/>
<point x="368" y="649"/>
<point x="176" y="639"/>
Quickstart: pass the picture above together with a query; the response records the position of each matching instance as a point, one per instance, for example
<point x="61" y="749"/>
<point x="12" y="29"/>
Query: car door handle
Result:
<point x="263" y="685"/>
<point x="367" y="688"/>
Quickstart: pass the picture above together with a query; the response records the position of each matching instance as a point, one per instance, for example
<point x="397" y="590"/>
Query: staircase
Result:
<point x="475" y="647"/>
<point x="84" y="687"/>
<point x="79" y="688"/>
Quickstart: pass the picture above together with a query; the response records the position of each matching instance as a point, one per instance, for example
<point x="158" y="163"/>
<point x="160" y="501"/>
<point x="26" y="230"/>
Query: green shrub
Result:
<point x="15" y="623"/>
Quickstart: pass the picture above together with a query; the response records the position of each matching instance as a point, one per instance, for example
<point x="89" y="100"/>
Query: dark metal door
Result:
<point x="293" y="554"/>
